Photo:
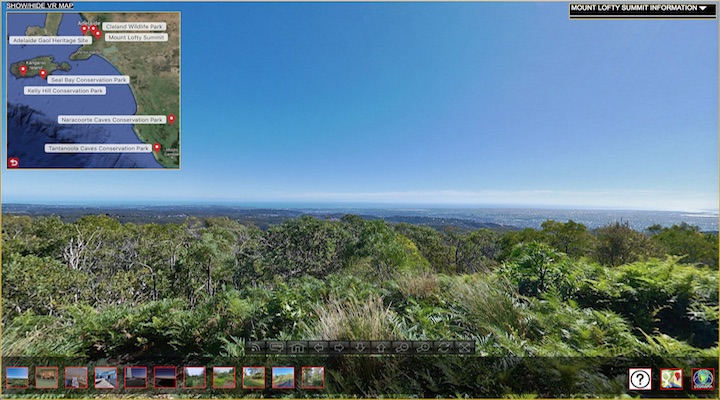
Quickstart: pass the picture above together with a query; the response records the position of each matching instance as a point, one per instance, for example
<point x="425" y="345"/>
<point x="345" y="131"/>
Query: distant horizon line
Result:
<point x="340" y="205"/>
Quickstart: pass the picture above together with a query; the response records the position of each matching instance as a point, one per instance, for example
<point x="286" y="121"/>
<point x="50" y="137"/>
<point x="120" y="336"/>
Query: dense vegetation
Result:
<point x="97" y="289"/>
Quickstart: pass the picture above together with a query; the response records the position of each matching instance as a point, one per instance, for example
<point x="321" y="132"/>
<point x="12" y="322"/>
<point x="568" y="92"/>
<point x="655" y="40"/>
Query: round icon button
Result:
<point x="640" y="380"/>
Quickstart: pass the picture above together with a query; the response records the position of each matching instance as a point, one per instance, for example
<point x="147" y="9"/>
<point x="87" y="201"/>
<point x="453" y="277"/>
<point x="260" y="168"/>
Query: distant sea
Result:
<point x="507" y="217"/>
<point x="533" y="217"/>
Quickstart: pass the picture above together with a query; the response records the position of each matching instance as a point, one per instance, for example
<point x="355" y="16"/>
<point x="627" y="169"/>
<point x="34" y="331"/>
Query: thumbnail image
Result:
<point x="194" y="377"/>
<point x="76" y="377"/>
<point x="283" y="377"/>
<point x="105" y="378"/>
<point x="703" y="379"/>
<point x="17" y="377"/>
<point x="253" y="378"/>
<point x="46" y="377"/>
<point x="135" y="377"/>
<point x="165" y="377"/>
<point x="224" y="377"/>
<point x="671" y="379"/>
<point x="312" y="378"/>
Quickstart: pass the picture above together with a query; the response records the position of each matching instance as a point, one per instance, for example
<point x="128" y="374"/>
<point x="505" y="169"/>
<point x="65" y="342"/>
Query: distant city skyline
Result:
<point x="459" y="104"/>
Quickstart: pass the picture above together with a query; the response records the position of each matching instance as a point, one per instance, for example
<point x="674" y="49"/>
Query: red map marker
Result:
<point x="93" y="28"/>
<point x="84" y="28"/>
<point x="97" y="34"/>
<point x="23" y="70"/>
<point x="171" y="118"/>
<point x="156" y="147"/>
<point x="43" y="73"/>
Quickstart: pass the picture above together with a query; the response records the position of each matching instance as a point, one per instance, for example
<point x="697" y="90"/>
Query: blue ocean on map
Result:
<point x="32" y="120"/>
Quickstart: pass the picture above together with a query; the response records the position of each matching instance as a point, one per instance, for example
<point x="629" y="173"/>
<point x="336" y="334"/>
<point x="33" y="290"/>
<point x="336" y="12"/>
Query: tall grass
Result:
<point x="30" y="335"/>
<point x="352" y="319"/>
<point x="418" y="285"/>
<point x="489" y="305"/>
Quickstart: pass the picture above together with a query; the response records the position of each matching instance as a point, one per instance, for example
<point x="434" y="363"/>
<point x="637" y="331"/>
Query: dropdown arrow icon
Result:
<point x="703" y="8"/>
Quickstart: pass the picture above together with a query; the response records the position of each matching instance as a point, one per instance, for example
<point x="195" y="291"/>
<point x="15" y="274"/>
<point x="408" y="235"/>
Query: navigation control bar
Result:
<point x="360" y="347"/>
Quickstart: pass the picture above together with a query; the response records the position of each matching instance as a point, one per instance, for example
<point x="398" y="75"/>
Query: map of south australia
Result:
<point x="93" y="90"/>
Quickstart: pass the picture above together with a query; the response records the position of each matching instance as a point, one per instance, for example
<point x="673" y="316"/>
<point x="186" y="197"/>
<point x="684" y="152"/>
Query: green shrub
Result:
<point x="535" y="268"/>
<point x="657" y="294"/>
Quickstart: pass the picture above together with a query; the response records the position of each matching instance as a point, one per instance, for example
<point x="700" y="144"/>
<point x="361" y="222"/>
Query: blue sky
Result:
<point x="277" y="371"/>
<point x="138" y="372"/>
<point x="165" y="372"/>
<point x="427" y="103"/>
<point x="195" y="371"/>
<point x="17" y="372"/>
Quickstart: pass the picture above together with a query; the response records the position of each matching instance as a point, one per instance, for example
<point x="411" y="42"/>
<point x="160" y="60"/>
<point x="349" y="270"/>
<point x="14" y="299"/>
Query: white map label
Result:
<point x="112" y="119"/>
<point x="45" y="40"/>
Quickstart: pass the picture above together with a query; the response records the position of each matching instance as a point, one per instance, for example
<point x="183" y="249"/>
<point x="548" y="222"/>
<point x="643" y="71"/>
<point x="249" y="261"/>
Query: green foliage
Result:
<point x="657" y="294"/>
<point x="304" y="246"/>
<point x="687" y="241"/>
<point x="536" y="268"/>
<point x="32" y="335"/>
<point x="619" y="244"/>
<point x="570" y="237"/>
<point x="387" y="251"/>
<point x="432" y="245"/>
<point x="512" y="239"/>
<point x="476" y="251"/>
<point x="154" y="328"/>
<point x="23" y="291"/>
<point x="97" y="289"/>
<point x="569" y="330"/>
<point x="42" y="237"/>
<point x="489" y="310"/>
